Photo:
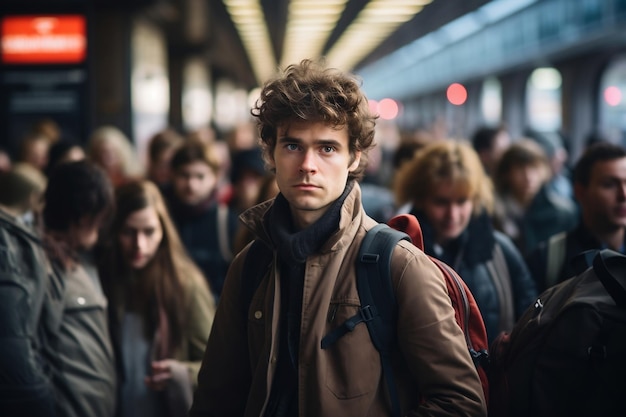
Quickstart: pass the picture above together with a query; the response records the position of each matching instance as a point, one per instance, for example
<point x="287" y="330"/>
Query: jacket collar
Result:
<point x="351" y="214"/>
<point x="586" y="240"/>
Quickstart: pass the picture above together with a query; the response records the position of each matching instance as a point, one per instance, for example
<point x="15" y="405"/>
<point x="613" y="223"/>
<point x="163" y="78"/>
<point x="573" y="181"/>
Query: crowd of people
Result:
<point x="121" y="291"/>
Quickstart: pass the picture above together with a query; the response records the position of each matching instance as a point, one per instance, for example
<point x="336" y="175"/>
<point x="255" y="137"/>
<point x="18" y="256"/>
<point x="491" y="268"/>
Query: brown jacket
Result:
<point x="434" y="373"/>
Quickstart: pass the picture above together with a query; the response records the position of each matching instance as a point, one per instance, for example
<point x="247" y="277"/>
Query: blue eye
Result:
<point x="292" y="147"/>
<point x="328" y="149"/>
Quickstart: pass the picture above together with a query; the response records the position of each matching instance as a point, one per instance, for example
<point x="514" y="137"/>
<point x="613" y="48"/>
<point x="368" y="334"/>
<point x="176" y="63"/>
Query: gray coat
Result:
<point x="25" y="386"/>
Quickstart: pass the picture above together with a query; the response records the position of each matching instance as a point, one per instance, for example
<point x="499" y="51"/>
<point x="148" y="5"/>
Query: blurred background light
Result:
<point x="612" y="96"/>
<point x="456" y="94"/>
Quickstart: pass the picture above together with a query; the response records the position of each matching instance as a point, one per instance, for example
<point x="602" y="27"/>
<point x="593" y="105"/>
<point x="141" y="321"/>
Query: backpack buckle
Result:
<point x="367" y="313"/>
<point x="364" y="315"/>
<point x="370" y="258"/>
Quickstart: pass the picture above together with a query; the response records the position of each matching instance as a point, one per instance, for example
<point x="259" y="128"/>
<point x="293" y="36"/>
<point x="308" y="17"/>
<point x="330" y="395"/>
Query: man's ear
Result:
<point x="355" y="163"/>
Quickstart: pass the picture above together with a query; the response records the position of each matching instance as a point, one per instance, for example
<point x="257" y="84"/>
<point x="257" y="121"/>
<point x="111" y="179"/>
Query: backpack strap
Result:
<point x="255" y="265"/>
<point x="378" y="302"/>
<point x="499" y="271"/>
<point x="555" y="258"/>
<point x="608" y="265"/>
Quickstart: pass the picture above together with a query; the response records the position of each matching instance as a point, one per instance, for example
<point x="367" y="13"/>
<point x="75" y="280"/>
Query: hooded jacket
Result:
<point x="432" y="368"/>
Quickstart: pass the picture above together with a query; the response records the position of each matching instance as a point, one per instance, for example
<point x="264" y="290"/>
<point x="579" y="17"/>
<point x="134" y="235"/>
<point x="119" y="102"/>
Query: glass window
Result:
<point x="491" y="101"/>
<point x="197" y="95"/>
<point x="543" y="100"/>
<point x="149" y="89"/>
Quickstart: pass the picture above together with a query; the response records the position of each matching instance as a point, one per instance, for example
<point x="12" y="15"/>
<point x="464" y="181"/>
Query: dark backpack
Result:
<point x="566" y="356"/>
<point x="378" y="301"/>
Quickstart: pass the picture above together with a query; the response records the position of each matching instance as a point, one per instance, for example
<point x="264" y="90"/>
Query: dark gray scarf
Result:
<point x="293" y="247"/>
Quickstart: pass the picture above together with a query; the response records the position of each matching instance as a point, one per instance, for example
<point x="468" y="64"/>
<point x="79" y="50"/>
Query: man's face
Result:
<point x="193" y="183"/>
<point x="312" y="162"/>
<point x="603" y="200"/>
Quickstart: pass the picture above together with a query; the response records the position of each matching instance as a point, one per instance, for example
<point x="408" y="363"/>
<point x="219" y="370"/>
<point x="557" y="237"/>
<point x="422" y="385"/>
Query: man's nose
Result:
<point x="309" y="162"/>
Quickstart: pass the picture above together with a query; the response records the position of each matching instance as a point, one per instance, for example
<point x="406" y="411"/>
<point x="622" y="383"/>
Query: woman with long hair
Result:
<point x="162" y="309"/>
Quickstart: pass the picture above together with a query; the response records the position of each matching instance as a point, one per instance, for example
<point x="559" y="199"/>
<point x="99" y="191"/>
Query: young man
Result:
<point x="78" y="199"/>
<point x="600" y="189"/>
<point x="266" y="359"/>
<point x="205" y="225"/>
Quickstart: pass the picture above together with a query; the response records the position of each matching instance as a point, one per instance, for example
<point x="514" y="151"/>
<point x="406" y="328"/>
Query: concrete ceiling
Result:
<point x="228" y="58"/>
<point x="204" y="27"/>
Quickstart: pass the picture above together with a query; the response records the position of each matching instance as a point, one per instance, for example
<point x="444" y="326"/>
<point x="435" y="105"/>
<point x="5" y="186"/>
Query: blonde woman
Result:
<point x="452" y="197"/>
<point x="162" y="307"/>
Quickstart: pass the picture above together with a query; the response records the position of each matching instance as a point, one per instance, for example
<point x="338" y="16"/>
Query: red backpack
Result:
<point x="466" y="310"/>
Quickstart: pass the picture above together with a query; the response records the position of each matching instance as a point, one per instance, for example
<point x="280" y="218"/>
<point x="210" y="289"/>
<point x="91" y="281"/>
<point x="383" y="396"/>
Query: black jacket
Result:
<point x="198" y="227"/>
<point x="469" y="255"/>
<point x="576" y="241"/>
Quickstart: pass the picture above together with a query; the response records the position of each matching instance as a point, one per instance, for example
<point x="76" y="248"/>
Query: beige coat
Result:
<point x="434" y="373"/>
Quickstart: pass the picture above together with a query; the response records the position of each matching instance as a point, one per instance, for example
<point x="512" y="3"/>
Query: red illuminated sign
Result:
<point x="51" y="39"/>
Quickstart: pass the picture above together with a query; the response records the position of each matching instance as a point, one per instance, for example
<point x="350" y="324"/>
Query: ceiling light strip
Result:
<point x="373" y="25"/>
<point x="309" y="24"/>
<point x="249" y="20"/>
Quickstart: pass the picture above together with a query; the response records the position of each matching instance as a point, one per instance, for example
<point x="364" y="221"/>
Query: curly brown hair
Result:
<point x="310" y="92"/>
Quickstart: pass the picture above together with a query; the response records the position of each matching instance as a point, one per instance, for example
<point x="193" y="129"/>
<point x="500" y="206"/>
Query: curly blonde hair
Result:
<point x="444" y="161"/>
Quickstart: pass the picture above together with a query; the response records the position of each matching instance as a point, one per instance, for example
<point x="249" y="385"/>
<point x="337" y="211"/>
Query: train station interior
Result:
<point x="142" y="65"/>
